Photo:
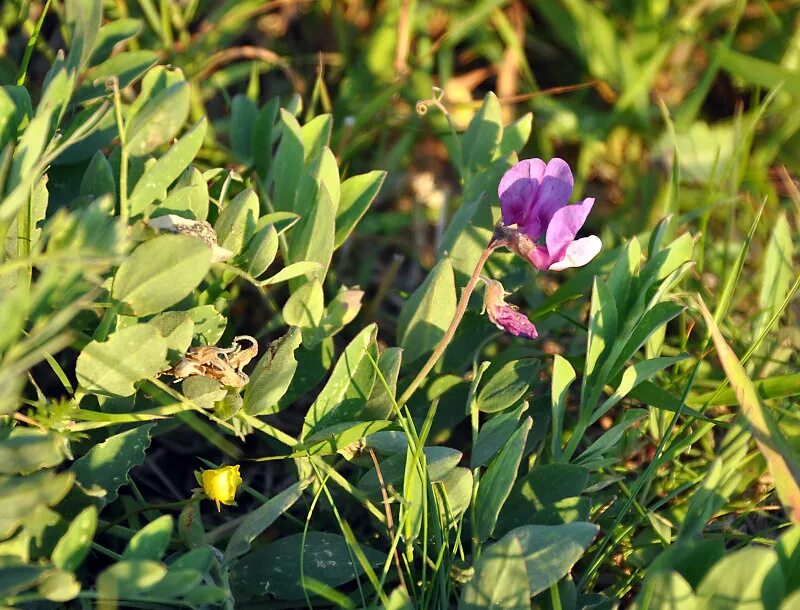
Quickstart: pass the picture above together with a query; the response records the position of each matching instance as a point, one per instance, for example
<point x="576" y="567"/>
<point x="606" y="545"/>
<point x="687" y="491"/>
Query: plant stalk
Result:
<point x="461" y="308"/>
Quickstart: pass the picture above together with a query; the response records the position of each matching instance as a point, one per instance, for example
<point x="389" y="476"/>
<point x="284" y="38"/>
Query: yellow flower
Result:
<point x="221" y="484"/>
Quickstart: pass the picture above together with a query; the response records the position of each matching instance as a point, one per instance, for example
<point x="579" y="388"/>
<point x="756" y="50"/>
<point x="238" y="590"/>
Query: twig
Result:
<point x="466" y="292"/>
<point x="389" y="517"/>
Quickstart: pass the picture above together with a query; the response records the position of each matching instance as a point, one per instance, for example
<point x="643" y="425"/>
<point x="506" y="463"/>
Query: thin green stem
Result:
<point x="479" y="370"/>
<point x="272" y="431"/>
<point x="123" y="156"/>
<point x="26" y="58"/>
<point x="461" y="308"/>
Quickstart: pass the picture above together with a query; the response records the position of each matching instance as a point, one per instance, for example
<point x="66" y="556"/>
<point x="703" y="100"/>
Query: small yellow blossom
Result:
<point x="221" y="484"/>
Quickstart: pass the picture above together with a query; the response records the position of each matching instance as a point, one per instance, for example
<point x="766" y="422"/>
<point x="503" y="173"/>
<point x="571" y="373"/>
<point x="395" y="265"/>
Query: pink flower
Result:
<point x="534" y="197"/>
<point x="503" y="315"/>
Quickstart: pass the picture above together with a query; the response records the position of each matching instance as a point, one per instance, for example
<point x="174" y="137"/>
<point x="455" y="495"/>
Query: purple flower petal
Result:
<point x="553" y="194"/>
<point x="503" y="315"/>
<point x="517" y="190"/>
<point x="507" y="318"/>
<point x="539" y="257"/>
<point x="578" y="253"/>
<point x="564" y="226"/>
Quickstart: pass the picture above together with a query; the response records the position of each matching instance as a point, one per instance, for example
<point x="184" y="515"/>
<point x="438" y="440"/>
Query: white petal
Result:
<point x="578" y="253"/>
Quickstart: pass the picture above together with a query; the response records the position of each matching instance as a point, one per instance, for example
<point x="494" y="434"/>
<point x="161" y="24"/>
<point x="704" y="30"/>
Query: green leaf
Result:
<point x="177" y="582"/>
<point x="594" y="457"/>
<point x="288" y="166"/>
<point x="25" y="450"/>
<point x="264" y="132"/>
<point x="791" y="601"/>
<point x="209" y="324"/>
<point x="74" y="545"/>
<point x="292" y="271"/>
<point x="665" y="590"/>
<point x="316" y="135"/>
<point x="129" y="579"/>
<point x="496" y="484"/>
<point x="358" y="193"/>
<point x="163" y="172"/>
<point x="312" y="240"/>
<point x="427" y="313"/>
<point x="623" y="276"/>
<point x="18" y="576"/>
<point x="25" y="494"/>
<point x="633" y="376"/>
<point x="665" y="262"/>
<point x="259" y="520"/>
<point x="782" y="460"/>
<point x="777" y="273"/>
<point x="483" y="135"/>
<point x="758" y="71"/>
<point x="161" y="272"/>
<point x="747" y="579"/>
<point x="150" y="542"/>
<point x="272" y="376"/>
<point x="493" y="436"/>
<point x="111" y="34"/>
<point x="177" y="328"/>
<point x="84" y="17"/>
<point x="540" y="494"/>
<point x="440" y="461"/>
<point x="457" y="487"/>
<point x="399" y="600"/>
<point x="304" y="309"/>
<point x="788" y="550"/>
<point x="500" y="580"/>
<point x="127" y="67"/>
<point x="58" y="586"/>
<point x="203" y="391"/>
<point x="107" y="464"/>
<point x="195" y="190"/>
<point x="600" y="340"/>
<point x="550" y="551"/>
<point x="244" y="114"/>
<point x="655" y="318"/>
<point x="381" y="401"/>
<point x="345" y="394"/>
<point x="507" y="385"/>
<point x="342" y="310"/>
<point x="98" y="179"/>
<point x="158" y="120"/>
<point x="199" y="560"/>
<point x="129" y="355"/>
<point x="260" y="251"/>
<point x="236" y="223"/>
<point x="275" y="567"/>
<point x="563" y="376"/>
<point x="721" y="478"/>
<point x="516" y="135"/>
<point x="338" y="437"/>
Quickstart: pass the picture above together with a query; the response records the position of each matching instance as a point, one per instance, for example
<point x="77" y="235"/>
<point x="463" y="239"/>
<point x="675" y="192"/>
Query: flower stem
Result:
<point x="461" y="308"/>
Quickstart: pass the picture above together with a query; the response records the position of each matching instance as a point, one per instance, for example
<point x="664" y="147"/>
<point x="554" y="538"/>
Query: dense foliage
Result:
<point x="298" y="307"/>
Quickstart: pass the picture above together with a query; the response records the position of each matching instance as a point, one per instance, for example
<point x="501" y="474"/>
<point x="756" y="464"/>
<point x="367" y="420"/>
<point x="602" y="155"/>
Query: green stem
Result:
<point x="476" y="472"/>
<point x="461" y="308"/>
<point x="123" y="154"/>
<point x="272" y="431"/>
<point x="26" y="58"/>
